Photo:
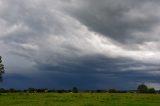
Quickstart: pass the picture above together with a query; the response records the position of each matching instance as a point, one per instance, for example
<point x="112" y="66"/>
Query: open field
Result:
<point x="79" y="99"/>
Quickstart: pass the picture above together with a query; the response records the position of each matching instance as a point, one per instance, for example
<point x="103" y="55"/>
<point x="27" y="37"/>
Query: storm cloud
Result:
<point x="124" y="20"/>
<point x="109" y="41"/>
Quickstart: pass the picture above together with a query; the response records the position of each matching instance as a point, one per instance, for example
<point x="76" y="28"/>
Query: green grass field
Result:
<point x="79" y="99"/>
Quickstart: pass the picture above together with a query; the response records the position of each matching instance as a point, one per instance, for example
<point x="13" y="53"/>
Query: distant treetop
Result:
<point x="1" y="68"/>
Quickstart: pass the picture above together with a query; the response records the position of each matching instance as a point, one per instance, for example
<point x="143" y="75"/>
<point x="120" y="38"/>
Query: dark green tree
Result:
<point x="75" y="90"/>
<point x="1" y="68"/>
<point x="142" y="88"/>
<point x="112" y="91"/>
<point x="151" y="90"/>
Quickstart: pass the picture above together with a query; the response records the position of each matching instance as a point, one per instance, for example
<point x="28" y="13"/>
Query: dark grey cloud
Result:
<point x="60" y="80"/>
<point x="122" y="20"/>
<point x="87" y="43"/>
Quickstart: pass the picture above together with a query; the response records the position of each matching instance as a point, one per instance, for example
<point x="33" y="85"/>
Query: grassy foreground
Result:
<point x="79" y="99"/>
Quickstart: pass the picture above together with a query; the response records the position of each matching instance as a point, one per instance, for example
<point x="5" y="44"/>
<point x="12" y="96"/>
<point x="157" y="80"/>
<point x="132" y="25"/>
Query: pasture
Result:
<point x="79" y="99"/>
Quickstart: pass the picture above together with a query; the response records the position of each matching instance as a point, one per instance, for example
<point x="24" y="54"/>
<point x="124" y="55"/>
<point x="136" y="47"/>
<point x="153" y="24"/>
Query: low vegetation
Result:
<point x="79" y="99"/>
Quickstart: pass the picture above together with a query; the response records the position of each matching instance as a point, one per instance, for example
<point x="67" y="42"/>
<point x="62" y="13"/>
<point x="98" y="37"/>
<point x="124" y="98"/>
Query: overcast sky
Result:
<point x="90" y="44"/>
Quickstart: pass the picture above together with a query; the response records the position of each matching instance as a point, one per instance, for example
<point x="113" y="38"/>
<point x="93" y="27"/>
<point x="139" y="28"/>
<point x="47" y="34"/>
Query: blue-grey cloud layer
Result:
<point x="87" y="43"/>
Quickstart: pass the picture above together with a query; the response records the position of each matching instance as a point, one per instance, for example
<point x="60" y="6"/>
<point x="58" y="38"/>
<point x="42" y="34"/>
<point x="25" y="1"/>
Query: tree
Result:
<point x="142" y="88"/>
<point x="151" y="90"/>
<point x="1" y="68"/>
<point x="112" y="91"/>
<point x="75" y="90"/>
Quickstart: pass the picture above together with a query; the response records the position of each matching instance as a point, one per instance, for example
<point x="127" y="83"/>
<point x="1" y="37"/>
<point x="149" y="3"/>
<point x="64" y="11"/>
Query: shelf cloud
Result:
<point x="109" y="41"/>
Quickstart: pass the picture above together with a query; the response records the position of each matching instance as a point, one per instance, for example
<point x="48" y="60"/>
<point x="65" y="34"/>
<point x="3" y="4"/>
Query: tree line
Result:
<point x="39" y="90"/>
<point x="142" y="88"/>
